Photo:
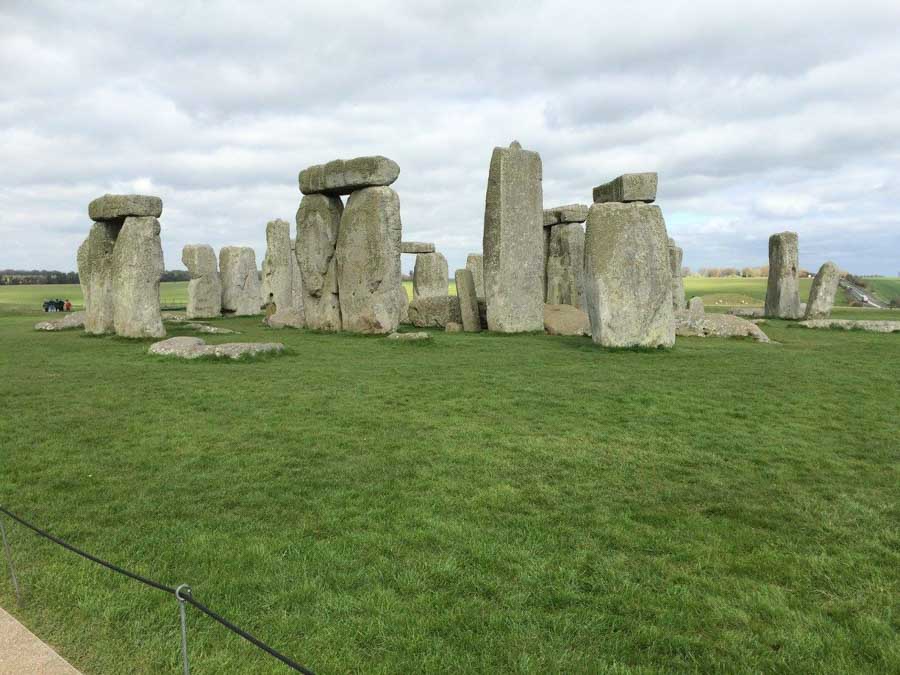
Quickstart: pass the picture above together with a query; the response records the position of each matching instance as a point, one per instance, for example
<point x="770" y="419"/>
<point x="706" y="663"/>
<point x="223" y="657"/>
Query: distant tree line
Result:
<point x="32" y="277"/>
<point x="746" y="272"/>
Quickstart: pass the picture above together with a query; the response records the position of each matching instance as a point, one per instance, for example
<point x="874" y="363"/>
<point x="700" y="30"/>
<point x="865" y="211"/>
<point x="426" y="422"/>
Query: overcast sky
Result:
<point x="759" y="116"/>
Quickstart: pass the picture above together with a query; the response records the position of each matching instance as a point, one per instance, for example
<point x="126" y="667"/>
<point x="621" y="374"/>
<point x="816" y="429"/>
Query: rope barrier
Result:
<point x="182" y="593"/>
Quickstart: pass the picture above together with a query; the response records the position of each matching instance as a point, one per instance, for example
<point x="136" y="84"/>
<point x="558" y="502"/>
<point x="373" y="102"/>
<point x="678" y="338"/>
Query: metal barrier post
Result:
<point x="9" y="560"/>
<point x="186" y="666"/>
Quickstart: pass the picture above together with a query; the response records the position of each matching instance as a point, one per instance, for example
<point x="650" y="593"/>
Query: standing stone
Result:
<point x="468" y="301"/>
<point x="318" y="222"/>
<point x="676" y="257"/>
<point x="513" y="241"/>
<point x="137" y="268"/>
<point x="204" y="288"/>
<point x="276" y="268"/>
<point x="240" y="280"/>
<point x="430" y="275"/>
<point x="629" y="187"/>
<point x="368" y="261"/>
<point x="783" y="289"/>
<point x="546" y="252"/>
<point x="475" y="264"/>
<point x="344" y="176"/>
<point x="821" y="295"/>
<point x="95" y="274"/>
<point x="296" y="281"/>
<point x="628" y="281"/>
<point x="565" y="265"/>
<point x="696" y="311"/>
<point x="403" y="304"/>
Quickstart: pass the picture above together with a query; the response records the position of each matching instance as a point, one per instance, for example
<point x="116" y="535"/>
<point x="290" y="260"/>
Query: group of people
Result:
<point x="57" y="305"/>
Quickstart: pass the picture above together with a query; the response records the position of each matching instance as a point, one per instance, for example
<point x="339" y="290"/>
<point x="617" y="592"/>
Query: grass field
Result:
<point x="480" y="504"/>
<point x="886" y="288"/>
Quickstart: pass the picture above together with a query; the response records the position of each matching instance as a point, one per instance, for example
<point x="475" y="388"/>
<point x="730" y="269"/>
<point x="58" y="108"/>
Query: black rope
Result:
<point x="186" y="596"/>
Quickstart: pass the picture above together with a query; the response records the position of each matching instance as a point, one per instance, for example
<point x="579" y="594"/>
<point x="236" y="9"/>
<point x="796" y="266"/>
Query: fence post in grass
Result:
<point x="9" y="560"/>
<point x="186" y="666"/>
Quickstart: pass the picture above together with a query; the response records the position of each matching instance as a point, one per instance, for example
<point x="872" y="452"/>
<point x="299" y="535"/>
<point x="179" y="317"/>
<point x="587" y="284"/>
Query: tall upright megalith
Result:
<point x="676" y="257"/>
<point x="821" y="294"/>
<point x="475" y="264"/>
<point x="205" y="287"/>
<point x="368" y="261"/>
<point x="430" y="275"/>
<point x="240" y="280"/>
<point x="627" y="276"/>
<point x="95" y="274"/>
<point x="318" y="222"/>
<point x="296" y="281"/>
<point x="468" y="301"/>
<point x="783" y="289"/>
<point x="276" y="268"/>
<point x="565" y="265"/>
<point x="137" y="269"/>
<point x="513" y="241"/>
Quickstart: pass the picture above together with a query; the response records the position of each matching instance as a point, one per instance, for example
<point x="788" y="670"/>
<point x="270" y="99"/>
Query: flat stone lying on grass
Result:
<point x="193" y="348"/>
<point x="409" y="337"/>
<point x="569" y="213"/>
<point x="565" y="320"/>
<point x="850" y="324"/>
<point x="717" y="325"/>
<point x="71" y="320"/>
<point x="821" y="294"/>
<point x="416" y="247"/>
<point x="343" y="176"/>
<point x="749" y="312"/>
<point x="211" y="330"/>
<point x="286" y="318"/>
<point x="629" y="187"/>
<point x="118" y="207"/>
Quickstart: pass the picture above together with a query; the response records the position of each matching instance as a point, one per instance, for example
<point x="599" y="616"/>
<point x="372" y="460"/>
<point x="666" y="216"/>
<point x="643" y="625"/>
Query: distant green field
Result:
<point x="886" y="288"/>
<point x="731" y="291"/>
<point x="172" y="293"/>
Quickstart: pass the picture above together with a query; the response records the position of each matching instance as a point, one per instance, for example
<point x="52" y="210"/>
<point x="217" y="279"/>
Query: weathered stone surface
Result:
<point x="821" y="294"/>
<point x="194" y="347"/>
<point x="409" y="337"/>
<point x="403" y="304"/>
<point x="240" y="280"/>
<point x="676" y="257"/>
<point x="430" y="275"/>
<point x="205" y="287"/>
<point x="343" y="176"/>
<point x="285" y="318"/>
<point x="696" y="310"/>
<point x="296" y="281"/>
<point x="629" y="187"/>
<point x="565" y="265"/>
<point x="137" y="268"/>
<point x="453" y="327"/>
<point x="468" y="301"/>
<point x="475" y="264"/>
<point x="749" y="312"/>
<point x="513" y="241"/>
<point x="570" y="213"/>
<point x="783" y="289"/>
<point x="119" y="207"/>
<point x="416" y="247"/>
<point x="849" y="324"/>
<point x="454" y="313"/>
<point x="95" y="274"/>
<point x="566" y="320"/>
<point x="210" y="330"/>
<point x="276" y="267"/>
<point x="368" y="261"/>
<point x="628" y="282"/>
<point x="717" y="325"/>
<point x="318" y="222"/>
<point x="426" y="311"/>
<point x="70" y="320"/>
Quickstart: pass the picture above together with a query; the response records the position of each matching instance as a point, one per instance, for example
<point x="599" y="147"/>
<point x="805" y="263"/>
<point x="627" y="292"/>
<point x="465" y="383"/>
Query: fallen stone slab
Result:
<point x="409" y="337"/>
<point x="211" y="330"/>
<point x="71" y="320"/>
<point x="717" y="325"/>
<point x="343" y="176"/>
<point x="193" y="347"/>
<point x="118" y="207"/>
<point x="748" y="312"/>
<point x="565" y="320"/>
<point x="850" y="324"/>
<point x="416" y="247"/>
<point x="569" y="213"/>
<point x="285" y="318"/>
<point x="629" y="187"/>
<point x="173" y="317"/>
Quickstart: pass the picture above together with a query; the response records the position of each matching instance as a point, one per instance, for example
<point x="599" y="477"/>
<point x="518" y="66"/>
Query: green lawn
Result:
<point x="480" y="504"/>
<point x="886" y="288"/>
<point x="731" y="291"/>
<point x="16" y="298"/>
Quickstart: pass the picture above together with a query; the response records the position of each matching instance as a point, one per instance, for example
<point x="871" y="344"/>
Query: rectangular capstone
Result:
<point x="343" y="176"/>
<point x="629" y="187"/>
<point x="570" y="213"/>
<point x="119" y="207"/>
<point x="416" y="247"/>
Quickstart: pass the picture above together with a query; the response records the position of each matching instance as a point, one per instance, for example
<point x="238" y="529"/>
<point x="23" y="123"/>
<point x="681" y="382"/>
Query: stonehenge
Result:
<point x="512" y="241"/>
<point x="318" y="221"/>
<point x="629" y="187"/>
<point x="468" y="301"/>
<point x="277" y="281"/>
<point x="345" y="176"/>
<point x="240" y="281"/>
<point x="430" y="275"/>
<point x="205" y="287"/>
<point x="119" y="267"/>
<point x="415" y="247"/>
<point x="627" y="276"/>
<point x="564" y="255"/>
<point x="475" y="264"/>
<point x="821" y="294"/>
<point x="676" y="257"/>
<point x="783" y="289"/>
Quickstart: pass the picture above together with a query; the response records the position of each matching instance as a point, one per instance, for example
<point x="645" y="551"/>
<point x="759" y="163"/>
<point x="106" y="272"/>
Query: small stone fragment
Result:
<point x="119" y="207"/>
<point x="821" y="294"/>
<point x="629" y="187"/>
<point x="343" y="176"/>
<point x="416" y="247"/>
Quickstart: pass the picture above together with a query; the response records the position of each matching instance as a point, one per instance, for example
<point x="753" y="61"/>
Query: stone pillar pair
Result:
<point x="349" y="258"/>
<point x="120" y="265"/>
